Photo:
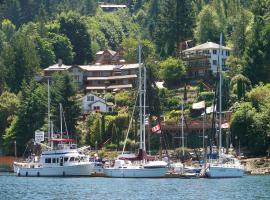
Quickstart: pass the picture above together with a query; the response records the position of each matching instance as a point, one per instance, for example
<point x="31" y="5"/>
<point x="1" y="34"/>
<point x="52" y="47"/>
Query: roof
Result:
<point x="112" y="77"/>
<point x="205" y="46"/>
<point x="57" y="67"/>
<point x="109" y="87"/>
<point x="104" y="102"/>
<point x="113" y="6"/>
<point x="96" y="67"/>
<point x="107" y="67"/>
<point x="110" y="51"/>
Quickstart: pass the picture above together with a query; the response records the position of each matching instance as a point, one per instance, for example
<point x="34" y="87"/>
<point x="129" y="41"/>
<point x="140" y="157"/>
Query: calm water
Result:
<point x="249" y="187"/>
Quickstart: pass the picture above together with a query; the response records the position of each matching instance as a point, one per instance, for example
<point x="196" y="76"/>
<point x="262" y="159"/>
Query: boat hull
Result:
<point x="136" y="173"/>
<point x="71" y="170"/>
<point x="224" y="172"/>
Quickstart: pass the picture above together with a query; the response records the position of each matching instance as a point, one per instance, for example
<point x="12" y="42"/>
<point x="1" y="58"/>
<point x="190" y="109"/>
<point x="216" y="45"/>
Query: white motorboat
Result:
<point x="141" y="166"/>
<point x="61" y="159"/>
<point x="65" y="160"/>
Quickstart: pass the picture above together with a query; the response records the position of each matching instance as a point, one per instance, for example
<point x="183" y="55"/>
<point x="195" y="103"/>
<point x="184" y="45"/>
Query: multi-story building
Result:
<point x="204" y="59"/>
<point x="110" y="73"/>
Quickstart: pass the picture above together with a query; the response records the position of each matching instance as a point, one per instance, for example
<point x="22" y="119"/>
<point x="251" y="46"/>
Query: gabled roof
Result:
<point x="205" y="46"/>
<point x="57" y="67"/>
<point x="107" y="103"/>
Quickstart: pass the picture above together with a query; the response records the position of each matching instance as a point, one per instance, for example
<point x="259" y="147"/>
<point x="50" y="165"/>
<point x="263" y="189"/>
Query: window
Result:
<point x="97" y="108"/>
<point x="65" y="159"/>
<point x="214" y="62"/>
<point x="214" y="51"/>
<point x="90" y="98"/>
<point x="76" y="78"/>
<point x="53" y="160"/>
<point x="227" y="53"/>
<point x="72" y="159"/>
<point x="47" y="160"/>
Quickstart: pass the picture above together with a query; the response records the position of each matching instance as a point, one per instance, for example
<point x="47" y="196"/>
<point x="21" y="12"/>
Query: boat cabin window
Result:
<point x="77" y="158"/>
<point x="65" y="159"/>
<point x="72" y="159"/>
<point x="53" y="160"/>
<point x="47" y="160"/>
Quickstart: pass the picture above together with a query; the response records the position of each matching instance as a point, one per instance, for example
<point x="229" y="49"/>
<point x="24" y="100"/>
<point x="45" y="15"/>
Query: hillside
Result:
<point x="37" y="34"/>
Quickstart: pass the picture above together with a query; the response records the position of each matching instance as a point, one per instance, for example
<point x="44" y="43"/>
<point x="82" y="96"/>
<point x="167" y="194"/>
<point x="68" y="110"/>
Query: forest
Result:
<point x="34" y="34"/>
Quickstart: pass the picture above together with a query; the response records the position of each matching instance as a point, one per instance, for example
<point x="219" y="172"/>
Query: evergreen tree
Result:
<point x="72" y="25"/>
<point x="63" y="91"/>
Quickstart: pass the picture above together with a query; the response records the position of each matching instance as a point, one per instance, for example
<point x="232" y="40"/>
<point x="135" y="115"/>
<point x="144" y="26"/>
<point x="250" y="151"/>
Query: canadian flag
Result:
<point x="155" y="128"/>
<point x="225" y="125"/>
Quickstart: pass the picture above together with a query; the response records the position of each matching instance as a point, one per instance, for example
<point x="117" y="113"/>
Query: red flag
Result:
<point x="155" y="128"/>
<point x="225" y="125"/>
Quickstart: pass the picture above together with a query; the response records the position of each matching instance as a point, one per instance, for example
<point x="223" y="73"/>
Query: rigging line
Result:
<point x="130" y="122"/>
<point x="65" y="124"/>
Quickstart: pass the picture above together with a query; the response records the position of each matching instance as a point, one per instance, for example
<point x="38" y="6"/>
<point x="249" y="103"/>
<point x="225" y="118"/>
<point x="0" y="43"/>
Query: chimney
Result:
<point x="60" y="62"/>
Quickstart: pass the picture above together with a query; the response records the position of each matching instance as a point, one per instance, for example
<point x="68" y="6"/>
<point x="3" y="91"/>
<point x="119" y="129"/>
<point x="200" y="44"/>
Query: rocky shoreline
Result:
<point x="257" y="166"/>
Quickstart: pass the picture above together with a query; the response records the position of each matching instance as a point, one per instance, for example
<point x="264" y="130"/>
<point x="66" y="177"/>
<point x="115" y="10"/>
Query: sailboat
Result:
<point x="61" y="157"/>
<point x="226" y="166"/>
<point x="138" y="166"/>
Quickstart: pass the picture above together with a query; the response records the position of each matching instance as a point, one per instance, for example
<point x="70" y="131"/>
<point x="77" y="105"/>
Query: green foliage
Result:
<point x="251" y="121"/>
<point x="240" y="85"/>
<point x="258" y="51"/>
<point x="29" y="116"/>
<point x="130" y="47"/>
<point x="80" y="38"/>
<point x="124" y="98"/>
<point x="23" y="59"/>
<point x="208" y="26"/>
<point x="62" y="48"/>
<point x="45" y="52"/>
<point x="8" y="106"/>
<point x="63" y="90"/>
<point x="172" y="71"/>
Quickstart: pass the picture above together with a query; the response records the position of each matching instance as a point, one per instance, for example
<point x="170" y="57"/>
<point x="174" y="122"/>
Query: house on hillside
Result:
<point x="93" y="103"/>
<point x="111" y="7"/>
<point x="203" y="59"/>
<point x="110" y="73"/>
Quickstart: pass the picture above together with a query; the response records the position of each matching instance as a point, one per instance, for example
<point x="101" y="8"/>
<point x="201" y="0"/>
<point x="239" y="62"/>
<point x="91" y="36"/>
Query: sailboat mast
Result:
<point x="144" y="107"/>
<point x="220" y="94"/>
<point x="49" y="108"/>
<point x="140" y="94"/>
<point x="61" y="122"/>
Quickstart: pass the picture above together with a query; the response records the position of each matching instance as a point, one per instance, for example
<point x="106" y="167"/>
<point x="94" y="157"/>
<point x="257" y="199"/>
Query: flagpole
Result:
<point x="182" y="122"/>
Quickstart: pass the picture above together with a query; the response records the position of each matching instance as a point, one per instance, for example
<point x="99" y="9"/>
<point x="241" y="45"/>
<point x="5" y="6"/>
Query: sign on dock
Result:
<point x="39" y="136"/>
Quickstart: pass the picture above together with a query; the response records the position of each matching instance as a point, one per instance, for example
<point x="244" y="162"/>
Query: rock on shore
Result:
<point x="257" y="166"/>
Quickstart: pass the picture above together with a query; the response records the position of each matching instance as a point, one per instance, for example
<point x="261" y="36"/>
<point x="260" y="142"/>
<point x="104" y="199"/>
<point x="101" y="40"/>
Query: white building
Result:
<point x="93" y="103"/>
<point x="206" y="55"/>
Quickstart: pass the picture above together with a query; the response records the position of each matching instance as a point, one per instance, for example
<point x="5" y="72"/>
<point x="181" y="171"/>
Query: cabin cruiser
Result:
<point x="63" y="160"/>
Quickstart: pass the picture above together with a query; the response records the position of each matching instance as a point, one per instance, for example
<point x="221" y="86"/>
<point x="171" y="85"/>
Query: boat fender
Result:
<point x="38" y="174"/>
<point x="19" y="174"/>
<point x="64" y="173"/>
<point x="26" y="174"/>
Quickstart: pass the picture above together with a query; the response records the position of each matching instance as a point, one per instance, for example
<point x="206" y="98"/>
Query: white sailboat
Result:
<point x="226" y="166"/>
<point x="62" y="159"/>
<point x="138" y="166"/>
